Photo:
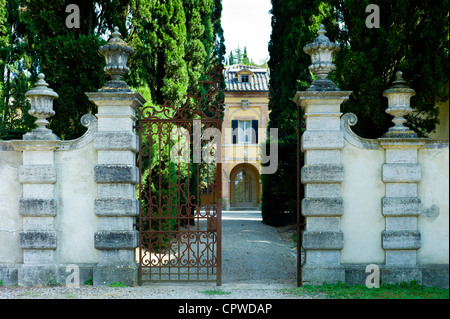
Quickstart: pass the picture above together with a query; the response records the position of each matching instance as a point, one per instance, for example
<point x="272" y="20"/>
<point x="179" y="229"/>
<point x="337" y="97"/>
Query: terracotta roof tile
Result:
<point x="259" y="82"/>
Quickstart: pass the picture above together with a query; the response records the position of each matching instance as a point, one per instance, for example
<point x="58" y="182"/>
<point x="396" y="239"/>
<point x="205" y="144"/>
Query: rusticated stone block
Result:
<point x="317" y="275"/>
<point x="402" y="239"/>
<point x="115" y="174"/>
<point x="104" y="275"/>
<point x="322" y="140"/>
<point x="323" y="207"/>
<point x="323" y="240"/>
<point x="399" y="274"/>
<point x="37" y="174"/>
<point x="36" y="274"/>
<point x="322" y="173"/>
<point x="116" y="141"/>
<point x="402" y="173"/>
<point x="37" y="239"/>
<point x="9" y="274"/>
<point x="116" y="207"/>
<point x="435" y="275"/>
<point x="116" y="239"/>
<point x="33" y="207"/>
<point x="401" y="206"/>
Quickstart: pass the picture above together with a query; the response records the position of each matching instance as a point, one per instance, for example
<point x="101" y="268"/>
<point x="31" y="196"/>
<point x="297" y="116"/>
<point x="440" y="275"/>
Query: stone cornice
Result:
<point x="320" y="95"/>
<point x="88" y="120"/>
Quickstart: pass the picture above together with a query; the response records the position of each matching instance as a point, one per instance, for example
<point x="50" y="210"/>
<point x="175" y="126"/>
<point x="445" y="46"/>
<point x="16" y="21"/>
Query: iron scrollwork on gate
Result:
<point x="180" y="187"/>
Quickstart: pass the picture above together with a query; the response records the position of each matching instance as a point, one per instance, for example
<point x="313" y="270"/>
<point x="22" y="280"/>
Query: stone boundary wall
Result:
<point x="376" y="204"/>
<point x="382" y="201"/>
<point x="406" y="236"/>
<point x="67" y="205"/>
<point x="46" y="210"/>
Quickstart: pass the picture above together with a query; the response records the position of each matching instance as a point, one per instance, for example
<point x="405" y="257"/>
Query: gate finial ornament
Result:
<point x="399" y="96"/>
<point x="321" y="52"/>
<point x="41" y="98"/>
<point x="116" y="53"/>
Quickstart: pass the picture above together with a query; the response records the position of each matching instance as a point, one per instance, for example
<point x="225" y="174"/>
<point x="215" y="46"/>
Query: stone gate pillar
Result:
<point x="116" y="173"/>
<point x="401" y="174"/>
<point x="322" y="172"/>
<point x="38" y="205"/>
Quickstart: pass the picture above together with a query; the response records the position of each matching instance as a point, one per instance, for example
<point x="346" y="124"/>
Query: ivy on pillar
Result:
<point x="116" y="173"/>
<point x="323" y="171"/>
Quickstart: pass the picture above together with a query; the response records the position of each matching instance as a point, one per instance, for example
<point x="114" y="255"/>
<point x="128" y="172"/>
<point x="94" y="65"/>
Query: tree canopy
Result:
<point x="176" y="42"/>
<point x="413" y="36"/>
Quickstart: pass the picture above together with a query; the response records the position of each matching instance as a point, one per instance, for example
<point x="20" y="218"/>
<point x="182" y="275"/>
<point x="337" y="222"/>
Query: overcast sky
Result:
<point x="247" y="23"/>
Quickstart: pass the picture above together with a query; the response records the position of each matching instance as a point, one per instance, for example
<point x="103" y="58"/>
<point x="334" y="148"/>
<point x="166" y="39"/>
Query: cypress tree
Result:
<point x="3" y="35"/>
<point x="198" y="18"/>
<point x="69" y="59"/>
<point x="14" y="62"/>
<point x="231" y="58"/>
<point x="292" y="28"/>
<point x="413" y="38"/>
<point x="159" y="39"/>
<point x="245" y="59"/>
<point x="218" y="52"/>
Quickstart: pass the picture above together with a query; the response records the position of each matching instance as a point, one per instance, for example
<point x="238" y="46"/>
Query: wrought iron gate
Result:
<point x="180" y="191"/>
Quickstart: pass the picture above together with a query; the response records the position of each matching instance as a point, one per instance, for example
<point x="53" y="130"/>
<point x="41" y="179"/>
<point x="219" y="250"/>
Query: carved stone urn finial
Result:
<point x="116" y="53"/>
<point x="399" y="96"/>
<point x="41" y="98"/>
<point x="322" y="51"/>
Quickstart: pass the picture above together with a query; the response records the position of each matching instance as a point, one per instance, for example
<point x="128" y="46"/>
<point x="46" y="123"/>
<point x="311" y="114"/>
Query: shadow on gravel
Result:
<point x="253" y="252"/>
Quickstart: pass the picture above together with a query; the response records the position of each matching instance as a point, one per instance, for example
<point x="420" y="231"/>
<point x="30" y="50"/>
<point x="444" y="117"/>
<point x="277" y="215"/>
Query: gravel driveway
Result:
<point x="257" y="261"/>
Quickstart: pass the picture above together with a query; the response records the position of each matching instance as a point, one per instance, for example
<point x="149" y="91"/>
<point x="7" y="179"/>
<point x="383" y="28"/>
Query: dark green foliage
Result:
<point x="60" y="56"/>
<point x="40" y="42"/>
<point x="159" y="39"/>
<point x="413" y="38"/>
<point x="219" y="40"/>
<point x="292" y="23"/>
<point x="199" y="37"/>
<point x="14" y="118"/>
<point x="403" y="290"/>
<point x="177" y="44"/>
<point x="69" y="59"/>
<point x="231" y="58"/>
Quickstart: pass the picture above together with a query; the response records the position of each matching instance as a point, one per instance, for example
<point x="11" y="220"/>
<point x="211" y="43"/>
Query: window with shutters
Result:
<point x="245" y="131"/>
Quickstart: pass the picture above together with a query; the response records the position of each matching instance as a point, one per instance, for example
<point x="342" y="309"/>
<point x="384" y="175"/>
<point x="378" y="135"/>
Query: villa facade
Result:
<point x="244" y="125"/>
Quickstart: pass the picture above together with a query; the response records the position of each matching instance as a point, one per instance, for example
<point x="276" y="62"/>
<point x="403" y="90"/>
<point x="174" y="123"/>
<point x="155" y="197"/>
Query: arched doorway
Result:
<point x="244" y="186"/>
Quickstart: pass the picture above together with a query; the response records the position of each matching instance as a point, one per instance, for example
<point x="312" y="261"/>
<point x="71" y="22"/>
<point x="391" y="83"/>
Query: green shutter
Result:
<point x="255" y="131"/>
<point x="234" y="131"/>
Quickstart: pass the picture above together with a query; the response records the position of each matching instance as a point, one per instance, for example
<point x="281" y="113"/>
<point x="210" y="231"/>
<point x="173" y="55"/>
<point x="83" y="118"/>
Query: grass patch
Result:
<point x="117" y="284"/>
<point x="410" y="290"/>
<point x="89" y="282"/>
<point x="215" y="292"/>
